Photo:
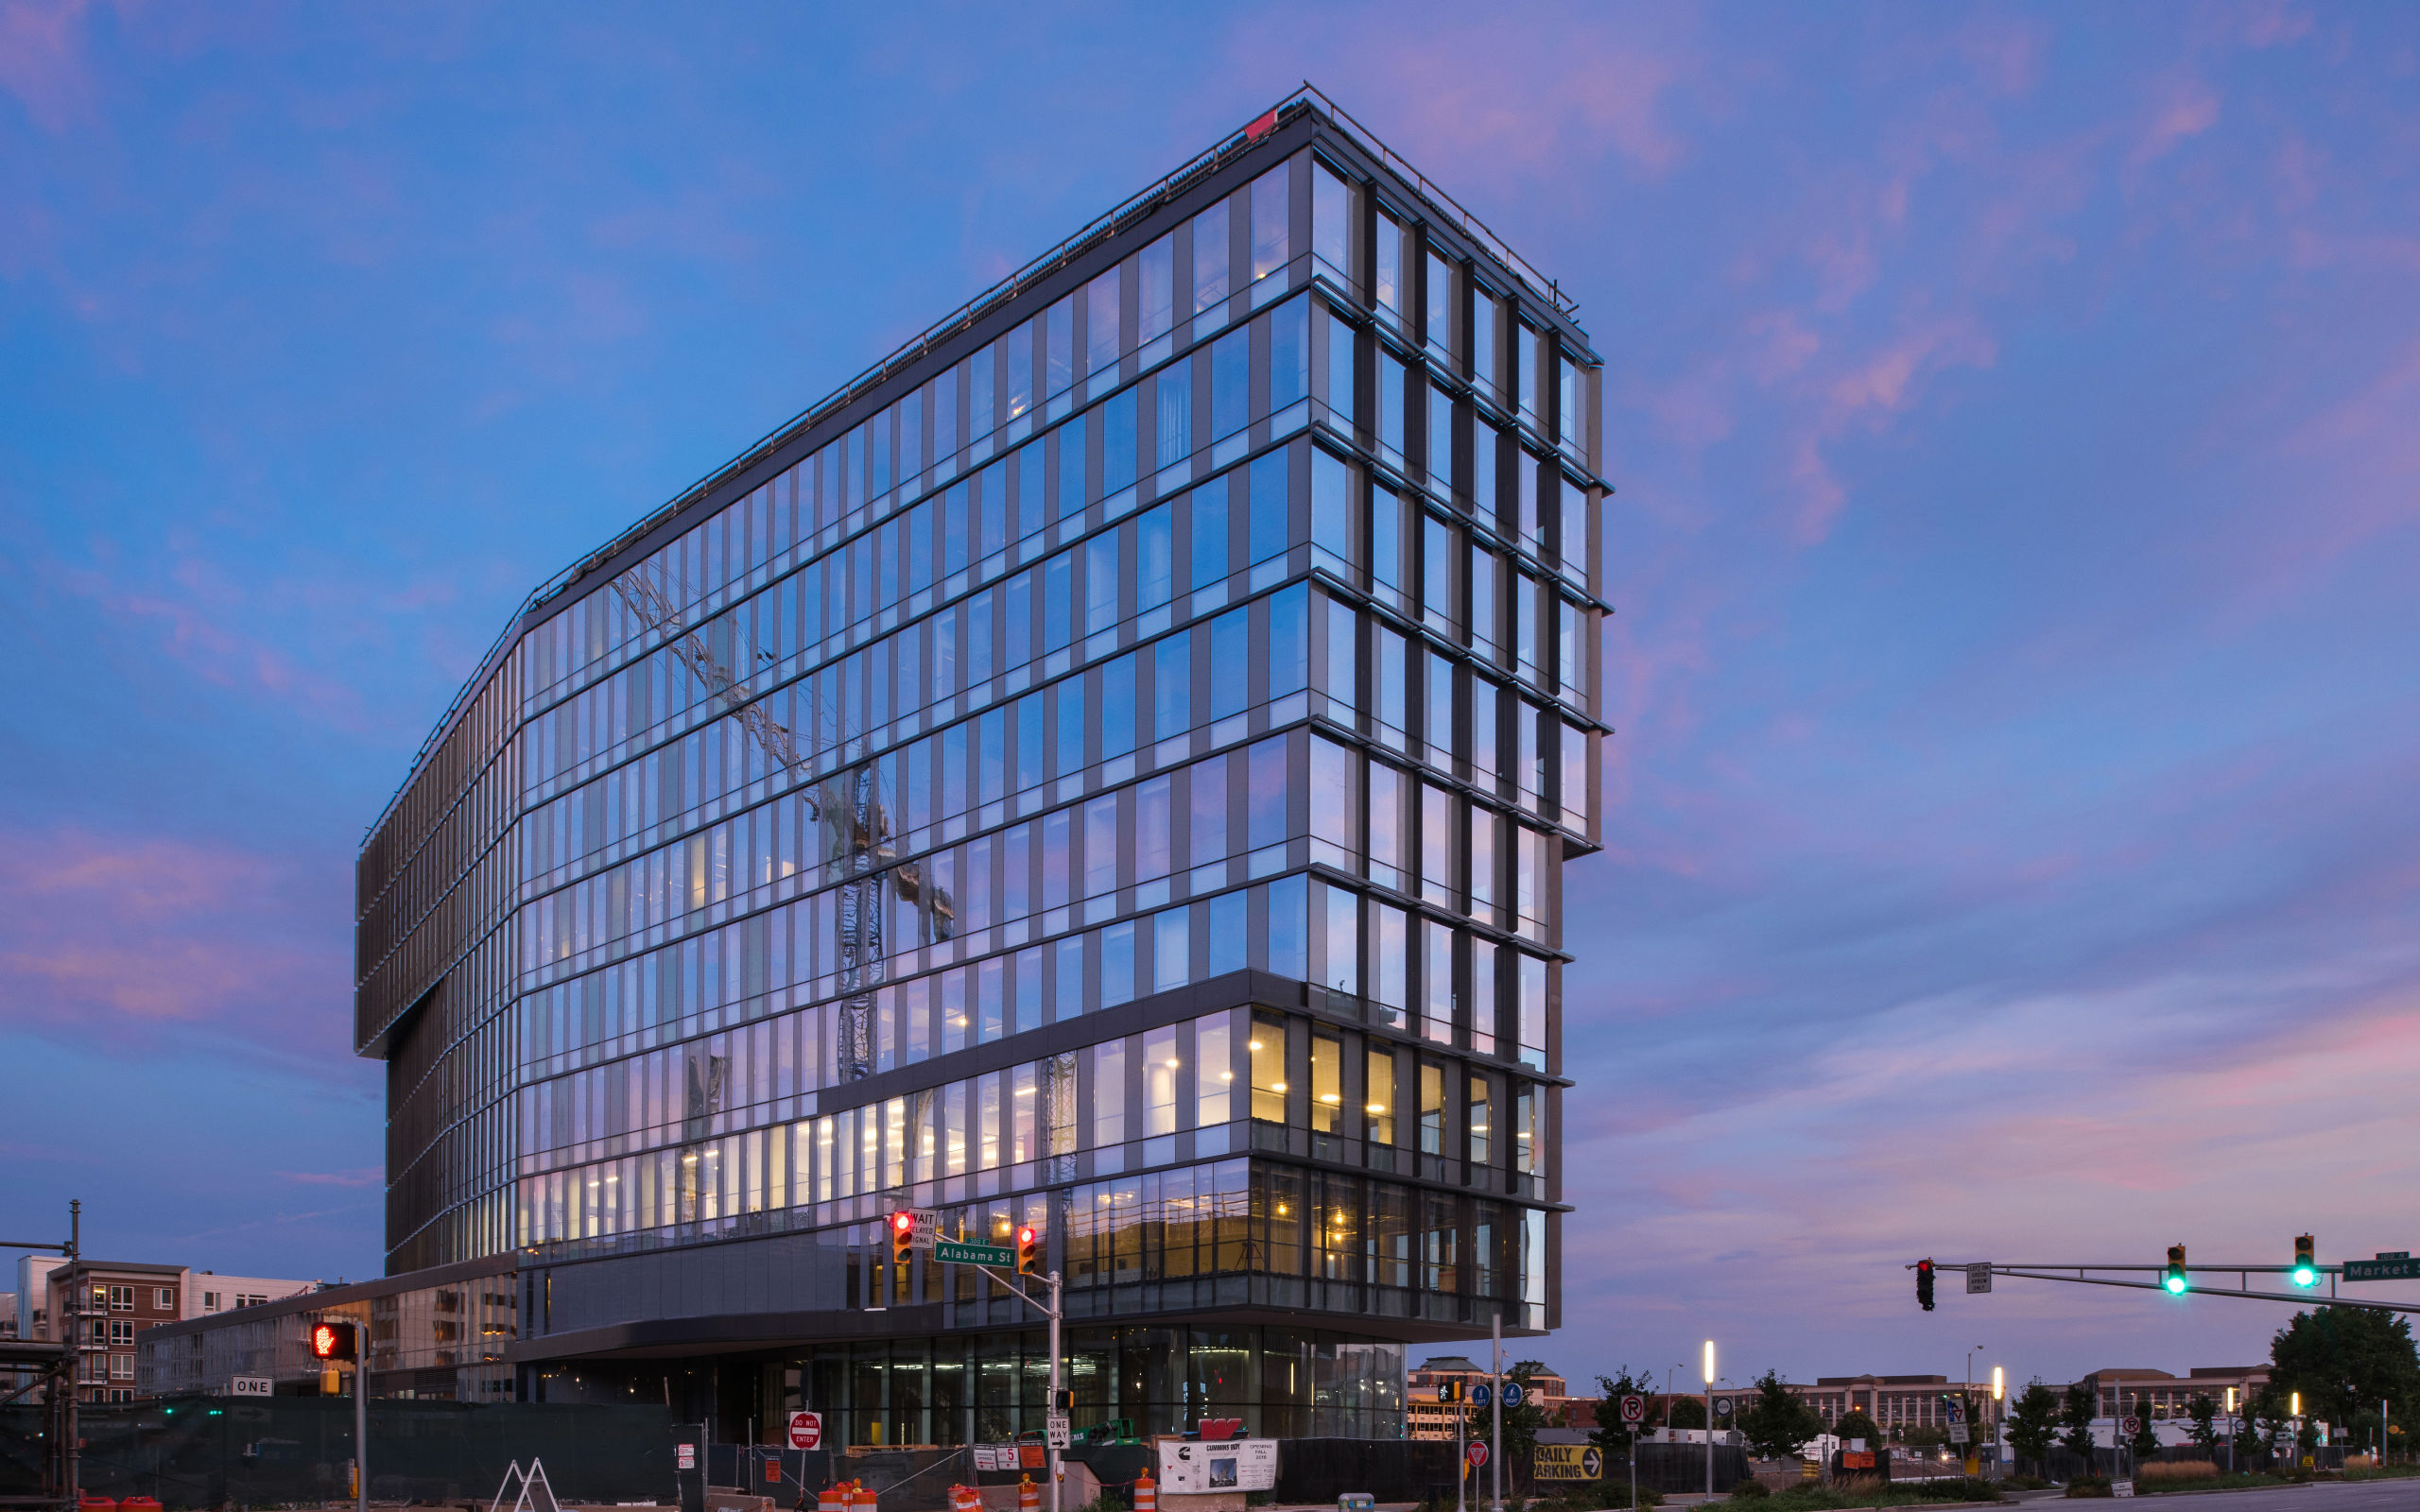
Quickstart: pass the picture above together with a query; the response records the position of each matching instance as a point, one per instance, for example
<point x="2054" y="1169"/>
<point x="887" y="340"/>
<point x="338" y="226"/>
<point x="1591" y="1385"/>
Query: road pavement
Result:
<point x="2320" y="1496"/>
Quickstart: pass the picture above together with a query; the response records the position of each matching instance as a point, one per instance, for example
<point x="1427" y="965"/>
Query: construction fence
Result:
<point x="216" y="1451"/>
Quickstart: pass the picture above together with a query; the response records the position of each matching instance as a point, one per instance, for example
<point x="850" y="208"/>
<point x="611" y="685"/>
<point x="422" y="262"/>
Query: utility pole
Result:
<point x="1056" y="1311"/>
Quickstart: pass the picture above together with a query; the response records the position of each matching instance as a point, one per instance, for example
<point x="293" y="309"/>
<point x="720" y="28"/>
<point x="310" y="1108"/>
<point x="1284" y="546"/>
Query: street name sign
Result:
<point x="958" y="1252"/>
<point x="2387" y="1267"/>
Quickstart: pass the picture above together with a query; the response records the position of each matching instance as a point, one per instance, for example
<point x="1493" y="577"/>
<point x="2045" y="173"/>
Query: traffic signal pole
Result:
<point x="361" y="1432"/>
<point x="1056" y="1311"/>
<point x="2074" y="1275"/>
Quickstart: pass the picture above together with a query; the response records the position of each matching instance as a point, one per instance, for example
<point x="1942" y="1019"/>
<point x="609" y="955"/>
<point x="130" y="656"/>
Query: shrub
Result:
<point x="2089" y="1485"/>
<point x="2177" y="1471"/>
<point x="1750" y="1489"/>
<point x="1963" y="1488"/>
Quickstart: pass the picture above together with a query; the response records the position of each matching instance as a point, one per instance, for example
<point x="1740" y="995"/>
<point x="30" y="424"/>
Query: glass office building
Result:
<point x="1109" y="768"/>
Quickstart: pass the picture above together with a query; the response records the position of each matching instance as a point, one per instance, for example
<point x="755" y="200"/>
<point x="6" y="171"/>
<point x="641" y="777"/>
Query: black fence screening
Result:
<point x="212" y="1451"/>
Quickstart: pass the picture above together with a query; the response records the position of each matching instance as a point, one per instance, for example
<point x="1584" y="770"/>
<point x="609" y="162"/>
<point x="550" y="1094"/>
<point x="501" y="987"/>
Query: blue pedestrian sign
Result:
<point x="1479" y="1395"/>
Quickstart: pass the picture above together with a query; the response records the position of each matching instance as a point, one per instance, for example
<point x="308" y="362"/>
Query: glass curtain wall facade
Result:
<point x="1112" y="769"/>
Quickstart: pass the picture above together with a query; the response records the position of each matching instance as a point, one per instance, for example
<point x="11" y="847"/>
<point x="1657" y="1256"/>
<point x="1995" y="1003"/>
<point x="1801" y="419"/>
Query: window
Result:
<point x="1214" y="1072"/>
<point x="121" y="1299"/>
<point x="1173" y="413"/>
<point x="1331" y="225"/>
<point x="1389" y="268"/>
<point x="1267" y="1050"/>
<point x="1441" y="306"/>
<point x="1155" y="294"/>
<point x="1289" y="354"/>
<point x="1479" y="1121"/>
<point x="210" y="1302"/>
<point x="1230" y="383"/>
<point x="1432" y="1108"/>
<point x="1378" y="1094"/>
<point x="1210" y="286"/>
<point x="1102" y="318"/>
<point x="121" y="1332"/>
<point x="1159" y="1067"/>
<point x="164" y="1299"/>
<point x="1484" y="363"/>
<point x="1270" y="217"/>
<point x="1327" y="1083"/>
<point x="1108" y="1093"/>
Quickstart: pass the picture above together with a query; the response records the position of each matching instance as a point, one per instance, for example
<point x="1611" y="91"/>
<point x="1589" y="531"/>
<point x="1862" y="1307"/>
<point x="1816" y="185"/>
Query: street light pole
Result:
<point x="1709" y="1417"/>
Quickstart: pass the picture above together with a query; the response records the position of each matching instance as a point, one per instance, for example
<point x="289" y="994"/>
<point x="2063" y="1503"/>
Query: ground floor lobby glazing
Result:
<point x="989" y="1387"/>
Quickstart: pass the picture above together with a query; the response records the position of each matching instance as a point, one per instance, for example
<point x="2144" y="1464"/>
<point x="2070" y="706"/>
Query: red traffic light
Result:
<point x="1028" y="1251"/>
<point x="903" y="1235"/>
<point x="332" y="1341"/>
<point x="1924" y="1285"/>
<point x="903" y="1222"/>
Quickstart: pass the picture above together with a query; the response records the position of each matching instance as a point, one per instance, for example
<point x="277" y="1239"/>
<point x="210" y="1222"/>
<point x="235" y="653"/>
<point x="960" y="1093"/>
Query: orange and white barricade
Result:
<point x="1147" y="1493"/>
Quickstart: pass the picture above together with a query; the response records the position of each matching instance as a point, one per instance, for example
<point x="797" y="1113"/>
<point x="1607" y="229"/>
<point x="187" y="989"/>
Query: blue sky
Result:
<point x="2016" y="418"/>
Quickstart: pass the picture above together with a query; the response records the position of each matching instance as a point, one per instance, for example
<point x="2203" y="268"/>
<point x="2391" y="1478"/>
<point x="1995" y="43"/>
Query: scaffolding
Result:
<point x="51" y="1363"/>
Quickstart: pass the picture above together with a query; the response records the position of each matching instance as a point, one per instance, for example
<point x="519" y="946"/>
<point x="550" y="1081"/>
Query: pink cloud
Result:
<point x="2187" y="107"/>
<point x="138" y="938"/>
<point x="368" y="1176"/>
<point x="42" y="60"/>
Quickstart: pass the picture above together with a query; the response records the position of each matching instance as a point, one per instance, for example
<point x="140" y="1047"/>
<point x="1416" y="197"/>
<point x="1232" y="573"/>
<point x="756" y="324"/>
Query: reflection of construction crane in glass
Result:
<point x="847" y="806"/>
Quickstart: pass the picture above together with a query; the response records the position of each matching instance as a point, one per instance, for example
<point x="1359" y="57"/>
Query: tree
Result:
<point x="1611" y="1433"/>
<point x="2268" y="1410"/>
<point x="2142" y="1443"/>
<point x="2345" y="1361"/>
<point x="2075" y="1415"/>
<point x="1854" y="1424"/>
<point x="2205" y="1414"/>
<point x="1521" y="1424"/>
<point x="1683" y="1412"/>
<point x="2033" y="1423"/>
<point x="1779" y="1424"/>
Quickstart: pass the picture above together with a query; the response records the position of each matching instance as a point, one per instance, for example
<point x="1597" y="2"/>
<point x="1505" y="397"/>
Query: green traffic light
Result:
<point x="2176" y="1286"/>
<point x="2304" y="1276"/>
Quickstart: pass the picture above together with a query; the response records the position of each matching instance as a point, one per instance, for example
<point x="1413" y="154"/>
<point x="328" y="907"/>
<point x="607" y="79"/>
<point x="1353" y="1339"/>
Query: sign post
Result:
<point x="1633" y="1415"/>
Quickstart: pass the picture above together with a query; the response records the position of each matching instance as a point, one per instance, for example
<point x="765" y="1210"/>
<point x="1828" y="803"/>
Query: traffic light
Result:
<point x="903" y="1236"/>
<point x="1028" y="1251"/>
<point x="2174" y="1280"/>
<point x="1063" y="1400"/>
<point x="333" y="1341"/>
<point x="2306" y="1260"/>
<point x="1924" y="1285"/>
<point x="1453" y="1391"/>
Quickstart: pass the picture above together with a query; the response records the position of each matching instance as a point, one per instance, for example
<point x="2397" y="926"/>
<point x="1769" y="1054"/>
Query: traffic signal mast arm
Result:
<point x="2074" y="1274"/>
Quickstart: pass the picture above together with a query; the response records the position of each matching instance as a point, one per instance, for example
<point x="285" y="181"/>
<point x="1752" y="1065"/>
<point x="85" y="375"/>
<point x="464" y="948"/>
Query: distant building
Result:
<point x="2156" y="1394"/>
<point x="439" y="1333"/>
<point x="1428" y="1418"/>
<point x="105" y="1307"/>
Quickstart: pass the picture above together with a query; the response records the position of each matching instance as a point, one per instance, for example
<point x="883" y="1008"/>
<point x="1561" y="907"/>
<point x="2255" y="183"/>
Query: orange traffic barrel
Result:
<point x="1028" y="1495"/>
<point x="1147" y="1493"/>
<point x="99" y="1503"/>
